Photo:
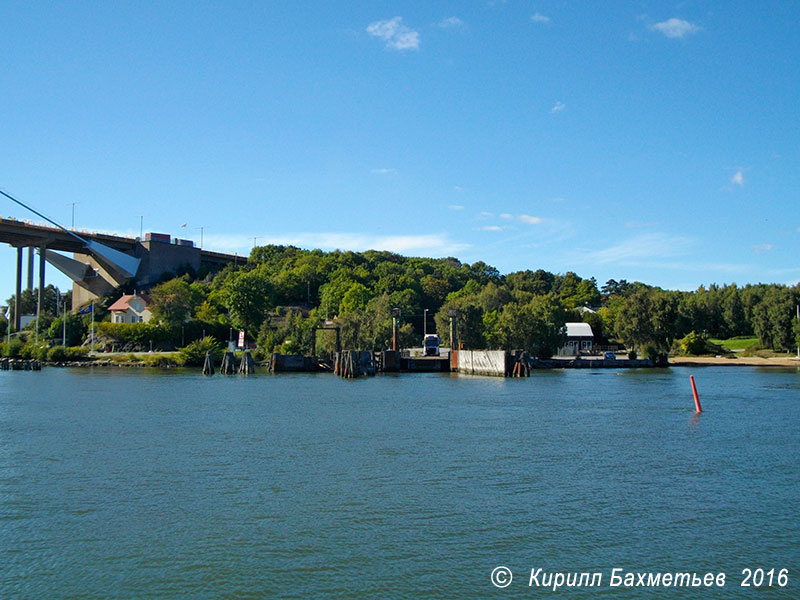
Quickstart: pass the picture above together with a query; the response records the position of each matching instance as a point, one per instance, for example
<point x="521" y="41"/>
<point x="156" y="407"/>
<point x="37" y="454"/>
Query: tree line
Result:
<point x="283" y="292"/>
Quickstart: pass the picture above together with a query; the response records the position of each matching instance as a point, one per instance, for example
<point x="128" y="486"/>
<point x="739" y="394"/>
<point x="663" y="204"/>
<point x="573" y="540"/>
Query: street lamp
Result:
<point x="73" y="212"/>
<point x="64" y="323"/>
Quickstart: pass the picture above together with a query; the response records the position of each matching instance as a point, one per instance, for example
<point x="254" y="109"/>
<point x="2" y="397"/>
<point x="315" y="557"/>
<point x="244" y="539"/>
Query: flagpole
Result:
<point x="92" y="308"/>
<point x="64" y="326"/>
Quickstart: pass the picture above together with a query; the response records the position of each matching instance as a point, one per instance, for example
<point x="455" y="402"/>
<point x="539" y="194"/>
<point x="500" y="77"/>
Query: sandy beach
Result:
<point x="734" y="361"/>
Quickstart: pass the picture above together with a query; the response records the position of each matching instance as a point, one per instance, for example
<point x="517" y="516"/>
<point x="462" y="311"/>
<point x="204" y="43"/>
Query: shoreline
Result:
<point x="736" y="361"/>
<point x="674" y="361"/>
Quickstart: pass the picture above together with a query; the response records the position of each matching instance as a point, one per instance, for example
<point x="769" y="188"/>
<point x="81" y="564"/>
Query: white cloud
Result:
<point x="456" y="207"/>
<point x="675" y="28"/>
<point x="483" y="213"/>
<point x="738" y="178"/>
<point x="530" y="220"/>
<point x="506" y="216"/>
<point x="558" y="107"/>
<point x="429" y="244"/>
<point x="396" y="35"/>
<point x="646" y="246"/>
<point x="492" y="228"/>
<point x="759" y="248"/>
<point x="540" y="18"/>
<point x="384" y="171"/>
<point x="451" y="23"/>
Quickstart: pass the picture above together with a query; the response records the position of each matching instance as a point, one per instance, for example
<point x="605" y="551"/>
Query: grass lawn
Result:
<point x="736" y="343"/>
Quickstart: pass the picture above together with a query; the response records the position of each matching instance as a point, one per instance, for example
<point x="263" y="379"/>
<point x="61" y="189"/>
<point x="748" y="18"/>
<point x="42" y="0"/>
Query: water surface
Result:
<point x="146" y="484"/>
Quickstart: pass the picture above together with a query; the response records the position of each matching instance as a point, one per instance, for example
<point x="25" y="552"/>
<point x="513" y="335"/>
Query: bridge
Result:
<point x="101" y="262"/>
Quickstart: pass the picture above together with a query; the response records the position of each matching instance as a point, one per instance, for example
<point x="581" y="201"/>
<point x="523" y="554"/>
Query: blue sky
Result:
<point x="650" y="141"/>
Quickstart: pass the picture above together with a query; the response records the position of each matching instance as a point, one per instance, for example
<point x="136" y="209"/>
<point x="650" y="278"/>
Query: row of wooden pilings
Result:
<point x="353" y="363"/>
<point x="520" y="364"/>
<point x="228" y="365"/>
<point x="20" y="364"/>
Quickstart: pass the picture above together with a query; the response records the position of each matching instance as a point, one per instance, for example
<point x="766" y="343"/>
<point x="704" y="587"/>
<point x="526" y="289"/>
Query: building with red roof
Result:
<point x="131" y="308"/>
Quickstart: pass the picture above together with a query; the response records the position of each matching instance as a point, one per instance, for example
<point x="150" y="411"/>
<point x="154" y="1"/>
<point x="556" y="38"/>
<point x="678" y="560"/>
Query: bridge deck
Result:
<point x="23" y="233"/>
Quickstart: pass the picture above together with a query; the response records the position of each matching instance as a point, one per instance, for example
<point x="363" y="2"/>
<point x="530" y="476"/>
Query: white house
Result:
<point x="131" y="308"/>
<point x="580" y="338"/>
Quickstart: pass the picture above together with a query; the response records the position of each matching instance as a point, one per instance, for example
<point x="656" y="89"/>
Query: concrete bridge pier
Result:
<point x="40" y="299"/>
<point x="30" y="269"/>
<point x="18" y="289"/>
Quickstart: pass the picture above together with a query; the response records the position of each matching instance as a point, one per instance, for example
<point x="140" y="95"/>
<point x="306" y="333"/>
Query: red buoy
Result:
<point x="696" y="399"/>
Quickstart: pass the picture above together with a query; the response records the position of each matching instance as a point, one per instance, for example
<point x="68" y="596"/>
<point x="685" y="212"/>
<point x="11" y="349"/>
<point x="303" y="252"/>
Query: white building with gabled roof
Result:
<point x="580" y="339"/>
<point x="131" y="308"/>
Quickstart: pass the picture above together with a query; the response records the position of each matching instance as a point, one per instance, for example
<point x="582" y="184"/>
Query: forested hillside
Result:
<point x="284" y="291"/>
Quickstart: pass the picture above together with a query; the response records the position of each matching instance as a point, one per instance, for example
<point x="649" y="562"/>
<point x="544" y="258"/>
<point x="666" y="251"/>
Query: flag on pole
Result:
<point x="87" y="309"/>
<point x="8" y="313"/>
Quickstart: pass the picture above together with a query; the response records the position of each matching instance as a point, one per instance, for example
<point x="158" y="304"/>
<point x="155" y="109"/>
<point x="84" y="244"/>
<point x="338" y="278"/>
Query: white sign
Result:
<point x="241" y="338"/>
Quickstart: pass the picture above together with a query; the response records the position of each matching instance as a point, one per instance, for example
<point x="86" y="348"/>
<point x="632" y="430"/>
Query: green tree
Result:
<point x="796" y="331"/>
<point x="469" y="323"/>
<point x="249" y="299"/>
<point x="355" y="298"/>
<point x="73" y="333"/>
<point x="171" y="302"/>
<point x="371" y="328"/>
<point x="645" y="321"/>
<point x="538" y="326"/>
<point x="773" y="318"/>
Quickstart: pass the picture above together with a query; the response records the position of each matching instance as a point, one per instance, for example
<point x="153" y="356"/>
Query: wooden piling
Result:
<point x="248" y="365"/>
<point x="522" y="364"/>
<point x="208" y="365"/>
<point x="228" y="364"/>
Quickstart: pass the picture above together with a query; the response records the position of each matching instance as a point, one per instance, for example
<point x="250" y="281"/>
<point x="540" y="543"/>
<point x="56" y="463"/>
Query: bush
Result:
<point x="70" y="353"/>
<point x="75" y="353"/>
<point x="56" y="354"/>
<point x="194" y="355"/>
<point x="163" y="361"/>
<point x="125" y="358"/>
<point x="11" y="349"/>
<point x="693" y="343"/>
<point x="31" y="351"/>
<point x="138" y="334"/>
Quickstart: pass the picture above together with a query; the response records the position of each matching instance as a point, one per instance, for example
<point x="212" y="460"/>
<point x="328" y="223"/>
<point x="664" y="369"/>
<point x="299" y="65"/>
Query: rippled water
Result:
<point x="137" y="484"/>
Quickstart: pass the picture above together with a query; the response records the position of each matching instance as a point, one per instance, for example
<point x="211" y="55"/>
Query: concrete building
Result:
<point x="131" y="308"/>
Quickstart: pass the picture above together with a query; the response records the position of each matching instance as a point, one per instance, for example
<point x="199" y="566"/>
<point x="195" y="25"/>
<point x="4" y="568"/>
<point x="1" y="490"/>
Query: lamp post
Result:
<point x="73" y="212"/>
<point x="64" y="323"/>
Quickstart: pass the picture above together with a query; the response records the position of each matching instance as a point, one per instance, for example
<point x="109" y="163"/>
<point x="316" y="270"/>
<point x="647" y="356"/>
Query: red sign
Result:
<point x="241" y="338"/>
